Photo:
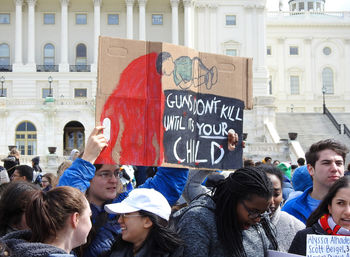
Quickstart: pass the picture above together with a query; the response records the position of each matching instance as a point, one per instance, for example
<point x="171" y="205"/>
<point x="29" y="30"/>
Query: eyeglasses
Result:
<point x="44" y="181"/>
<point x="127" y="215"/>
<point x="254" y="214"/>
<point x="109" y="174"/>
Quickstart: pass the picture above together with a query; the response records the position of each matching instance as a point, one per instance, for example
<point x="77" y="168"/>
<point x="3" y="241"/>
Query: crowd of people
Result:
<point x="92" y="209"/>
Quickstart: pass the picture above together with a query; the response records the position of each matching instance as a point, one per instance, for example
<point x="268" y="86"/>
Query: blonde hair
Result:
<point x="51" y="178"/>
<point x="63" y="166"/>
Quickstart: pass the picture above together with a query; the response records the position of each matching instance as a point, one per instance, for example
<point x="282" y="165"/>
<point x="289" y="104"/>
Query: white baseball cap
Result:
<point x="142" y="199"/>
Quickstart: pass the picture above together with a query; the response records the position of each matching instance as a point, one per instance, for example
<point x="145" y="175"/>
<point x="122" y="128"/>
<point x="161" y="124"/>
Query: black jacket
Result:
<point x="125" y="249"/>
<point x="298" y="245"/>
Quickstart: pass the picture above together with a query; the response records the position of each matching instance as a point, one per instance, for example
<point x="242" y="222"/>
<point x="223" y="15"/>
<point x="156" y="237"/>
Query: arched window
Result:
<point x="26" y="138"/>
<point x="327" y="80"/>
<point x="49" y="54"/>
<point x="74" y="137"/>
<point x="81" y="55"/>
<point x="4" y="54"/>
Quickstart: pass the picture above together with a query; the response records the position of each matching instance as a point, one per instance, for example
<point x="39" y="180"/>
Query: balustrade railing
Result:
<point x="79" y="68"/>
<point x="47" y="68"/>
<point x="6" y="68"/>
<point x="332" y="119"/>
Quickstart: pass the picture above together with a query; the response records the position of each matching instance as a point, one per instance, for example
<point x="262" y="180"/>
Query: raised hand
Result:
<point x="96" y="142"/>
<point x="232" y="140"/>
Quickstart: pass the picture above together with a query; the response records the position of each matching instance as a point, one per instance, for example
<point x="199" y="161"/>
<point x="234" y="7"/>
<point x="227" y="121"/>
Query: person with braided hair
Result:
<point x="232" y="220"/>
<point x="285" y="225"/>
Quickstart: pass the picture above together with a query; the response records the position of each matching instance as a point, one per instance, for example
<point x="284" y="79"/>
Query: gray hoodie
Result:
<point x="19" y="244"/>
<point x="197" y="227"/>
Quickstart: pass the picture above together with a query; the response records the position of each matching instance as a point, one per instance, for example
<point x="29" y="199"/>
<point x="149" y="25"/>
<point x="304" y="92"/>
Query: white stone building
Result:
<point x="40" y="39"/>
<point x="309" y="50"/>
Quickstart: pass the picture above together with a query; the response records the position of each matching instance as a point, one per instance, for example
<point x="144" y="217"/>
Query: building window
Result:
<point x="80" y="92"/>
<point x="45" y="92"/>
<point x="81" y="19"/>
<point x="49" y="18"/>
<point x="270" y="85"/>
<point x="268" y="50"/>
<point x="318" y="7"/>
<point x="26" y="138"/>
<point x="4" y="54"/>
<point x="157" y="19"/>
<point x="113" y="19"/>
<point x="4" y="18"/>
<point x="81" y="55"/>
<point x="310" y="6"/>
<point x="327" y="51"/>
<point x="49" y="54"/>
<point x="4" y="93"/>
<point x="294" y="50"/>
<point x="230" y="20"/>
<point x="231" y="52"/>
<point x="327" y="80"/>
<point x="294" y="7"/>
<point x="294" y="85"/>
<point x="301" y="6"/>
<point x="74" y="137"/>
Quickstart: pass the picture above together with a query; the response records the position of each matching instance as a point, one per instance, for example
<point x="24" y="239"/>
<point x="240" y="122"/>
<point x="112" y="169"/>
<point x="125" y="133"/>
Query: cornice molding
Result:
<point x="308" y="40"/>
<point x="281" y="40"/>
<point x="208" y="4"/>
<point x="142" y="2"/>
<point x="187" y="3"/>
<point x="31" y="2"/>
<point x="18" y="2"/>
<point x="64" y="2"/>
<point x="97" y="2"/>
<point x="174" y="3"/>
<point x="129" y="2"/>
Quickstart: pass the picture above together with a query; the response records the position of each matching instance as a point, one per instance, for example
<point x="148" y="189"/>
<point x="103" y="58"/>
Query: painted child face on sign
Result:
<point x="168" y="66"/>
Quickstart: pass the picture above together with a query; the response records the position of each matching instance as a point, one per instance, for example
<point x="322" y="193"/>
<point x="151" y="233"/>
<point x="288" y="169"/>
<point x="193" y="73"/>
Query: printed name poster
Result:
<point x="327" y="246"/>
<point x="168" y="105"/>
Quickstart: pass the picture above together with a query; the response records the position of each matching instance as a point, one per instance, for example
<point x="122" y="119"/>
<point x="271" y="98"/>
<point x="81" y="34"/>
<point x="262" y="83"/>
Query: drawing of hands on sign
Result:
<point x="232" y="140"/>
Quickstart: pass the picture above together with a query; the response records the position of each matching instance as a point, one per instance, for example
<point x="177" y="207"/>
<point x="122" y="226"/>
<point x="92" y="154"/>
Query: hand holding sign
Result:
<point x="232" y="138"/>
<point x="96" y="142"/>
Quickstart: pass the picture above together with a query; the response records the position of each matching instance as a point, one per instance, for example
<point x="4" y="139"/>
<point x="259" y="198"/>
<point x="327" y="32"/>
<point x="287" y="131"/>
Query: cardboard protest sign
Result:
<point x="167" y="105"/>
<point x="327" y="246"/>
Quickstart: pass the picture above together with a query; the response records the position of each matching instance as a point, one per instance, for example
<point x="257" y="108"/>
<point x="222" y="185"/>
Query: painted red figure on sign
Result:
<point x="134" y="111"/>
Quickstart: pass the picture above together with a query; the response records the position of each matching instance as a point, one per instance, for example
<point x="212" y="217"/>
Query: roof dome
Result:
<point x="306" y="5"/>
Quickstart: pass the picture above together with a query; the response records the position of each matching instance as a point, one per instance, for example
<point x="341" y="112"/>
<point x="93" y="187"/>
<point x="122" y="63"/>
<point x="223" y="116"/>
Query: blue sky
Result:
<point x="331" y="5"/>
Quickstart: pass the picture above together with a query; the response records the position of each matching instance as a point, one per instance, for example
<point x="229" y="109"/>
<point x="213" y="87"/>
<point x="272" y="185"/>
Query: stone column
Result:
<point x="64" y="66"/>
<point x="247" y="47"/>
<point x="97" y="28"/>
<point x="18" y="39"/>
<point x="261" y="48"/>
<point x="142" y="19"/>
<point x="347" y="74"/>
<point x="188" y="23"/>
<point x="203" y="32"/>
<point x="261" y="74"/>
<point x="175" y="21"/>
<point x="213" y="27"/>
<point x="129" y="18"/>
<point x="282" y="81"/>
<point x="31" y="35"/>
<point x="309" y="71"/>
